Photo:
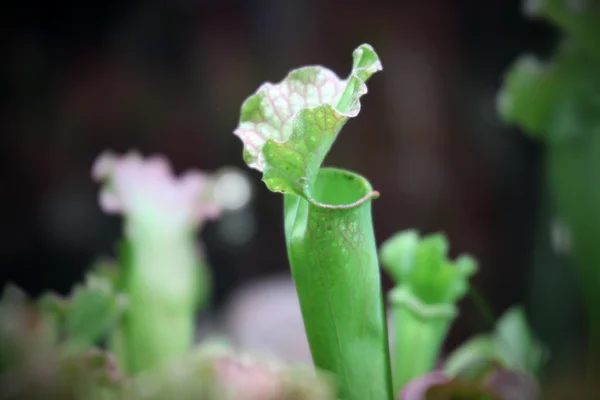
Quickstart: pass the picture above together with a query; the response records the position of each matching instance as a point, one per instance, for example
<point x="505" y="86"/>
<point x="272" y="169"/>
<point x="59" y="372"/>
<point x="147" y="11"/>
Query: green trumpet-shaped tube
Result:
<point x="287" y="130"/>
<point x="420" y="330"/>
<point x="332" y="251"/>
<point x="424" y="301"/>
<point x="164" y="284"/>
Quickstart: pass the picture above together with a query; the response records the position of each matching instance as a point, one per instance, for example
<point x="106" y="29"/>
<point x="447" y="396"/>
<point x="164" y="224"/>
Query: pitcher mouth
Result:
<point x="339" y="189"/>
<point x="401" y="296"/>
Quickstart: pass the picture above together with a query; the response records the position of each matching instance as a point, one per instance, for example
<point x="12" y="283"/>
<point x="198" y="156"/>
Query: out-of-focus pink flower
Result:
<point x="146" y="190"/>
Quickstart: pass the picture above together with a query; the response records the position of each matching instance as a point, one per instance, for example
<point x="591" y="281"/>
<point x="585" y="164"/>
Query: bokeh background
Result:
<point x="169" y="77"/>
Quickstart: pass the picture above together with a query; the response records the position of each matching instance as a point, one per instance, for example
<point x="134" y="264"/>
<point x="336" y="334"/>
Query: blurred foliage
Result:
<point x="36" y="364"/>
<point x="511" y="346"/>
<point x="558" y="103"/>
<point x="88" y="314"/>
<point x="421" y="266"/>
<point x="423" y="302"/>
<point x="499" y="384"/>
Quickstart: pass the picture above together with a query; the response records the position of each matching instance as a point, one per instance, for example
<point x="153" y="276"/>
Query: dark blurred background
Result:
<point x="169" y="77"/>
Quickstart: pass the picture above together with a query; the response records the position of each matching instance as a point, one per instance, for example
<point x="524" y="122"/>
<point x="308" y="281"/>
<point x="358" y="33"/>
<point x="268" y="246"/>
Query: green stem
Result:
<point x="333" y="255"/>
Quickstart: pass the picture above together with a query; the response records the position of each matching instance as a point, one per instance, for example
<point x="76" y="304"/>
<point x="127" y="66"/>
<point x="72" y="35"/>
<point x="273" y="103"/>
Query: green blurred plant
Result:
<point x="423" y="302"/>
<point x="38" y="361"/>
<point x="92" y="310"/>
<point x="512" y="346"/>
<point x="145" y="303"/>
<point x="558" y="103"/>
<point x="503" y="365"/>
<point x="46" y="348"/>
<point x="160" y="268"/>
<point x="217" y="371"/>
<point x="287" y="130"/>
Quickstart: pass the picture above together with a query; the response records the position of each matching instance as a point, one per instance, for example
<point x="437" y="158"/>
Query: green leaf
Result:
<point x="529" y="95"/>
<point x="511" y="346"/>
<point x="92" y="309"/>
<point x="579" y="18"/>
<point x="519" y="349"/>
<point x="422" y="266"/>
<point x="20" y="320"/>
<point x="33" y="365"/>
<point x="556" y="101"/>
<point x="473" y="357"/>
<point x="108" y="269"/>
<point x="288" y="128"/>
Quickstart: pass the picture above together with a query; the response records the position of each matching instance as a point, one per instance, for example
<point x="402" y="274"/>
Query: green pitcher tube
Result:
<point x="419" y="332"/>
<point x="162" y="290"/>
<point x="423" y="303"/>
<point x="162" y="271"/>
<point x="333" y="256"/>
